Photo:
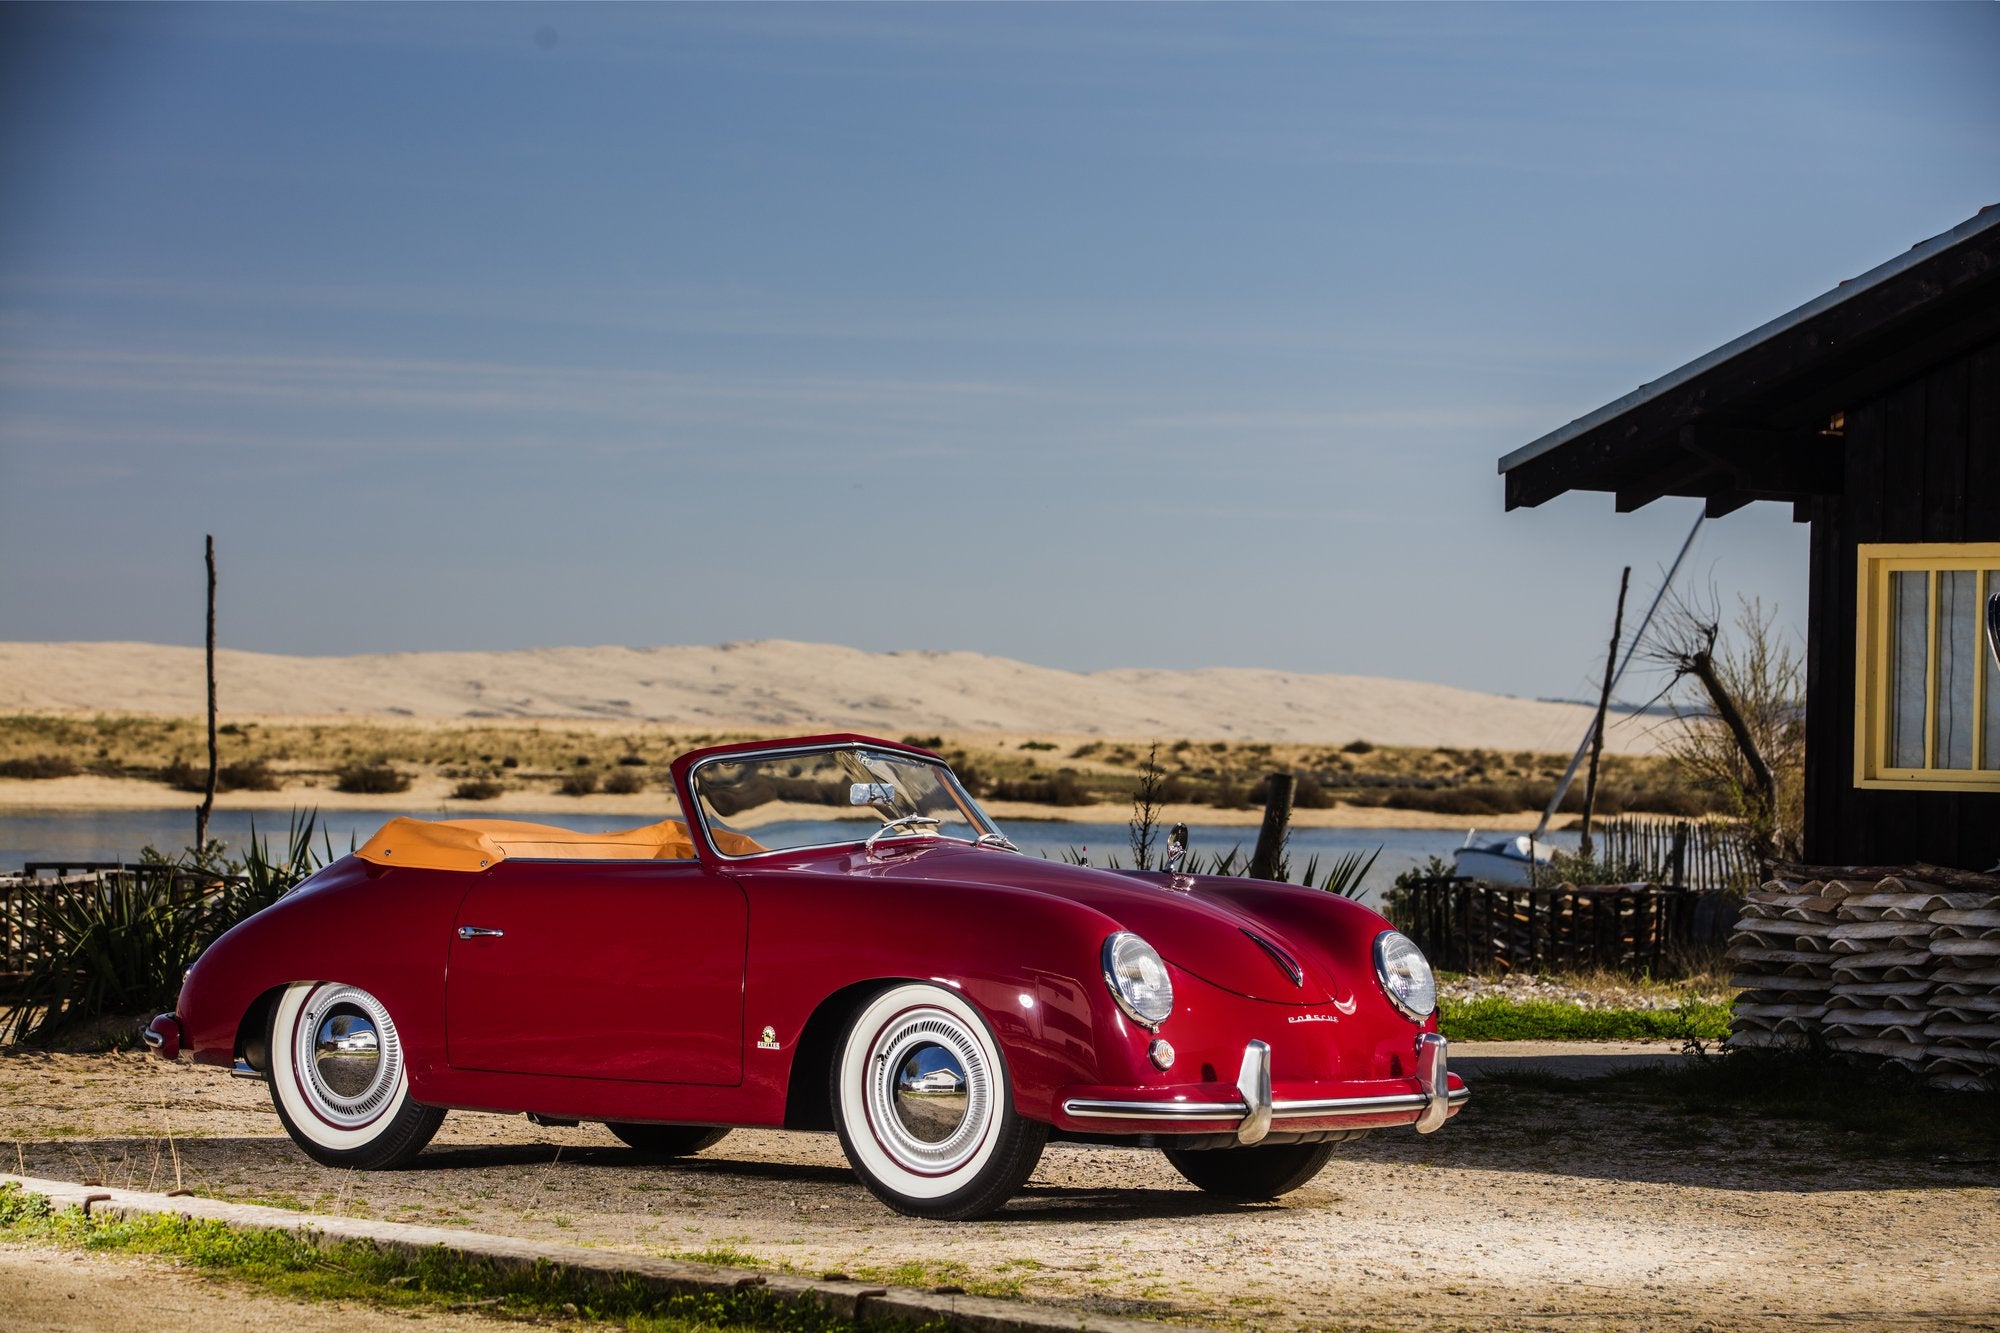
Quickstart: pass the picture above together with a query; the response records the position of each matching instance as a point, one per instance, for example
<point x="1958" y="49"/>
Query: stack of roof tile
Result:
<point x="1782" y="961"/>
<point x="1895" y="967"/>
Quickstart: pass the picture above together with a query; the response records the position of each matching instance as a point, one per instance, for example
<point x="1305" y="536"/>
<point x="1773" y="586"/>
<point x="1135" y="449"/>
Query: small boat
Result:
<point x="1501" y="860"/>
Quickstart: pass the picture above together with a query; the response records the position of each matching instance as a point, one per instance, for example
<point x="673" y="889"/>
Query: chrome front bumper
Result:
<point x="1258" y="1113"/>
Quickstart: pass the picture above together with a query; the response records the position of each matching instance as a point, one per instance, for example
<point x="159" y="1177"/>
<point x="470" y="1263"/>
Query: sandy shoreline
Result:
<point x="70" y="795"/>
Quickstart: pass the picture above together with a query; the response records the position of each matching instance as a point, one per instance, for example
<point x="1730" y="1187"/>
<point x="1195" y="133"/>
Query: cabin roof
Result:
<point x="1759" y="418"/>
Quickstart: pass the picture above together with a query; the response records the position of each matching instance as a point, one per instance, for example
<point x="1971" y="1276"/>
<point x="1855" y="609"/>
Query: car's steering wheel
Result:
<point x="899" y="822"/>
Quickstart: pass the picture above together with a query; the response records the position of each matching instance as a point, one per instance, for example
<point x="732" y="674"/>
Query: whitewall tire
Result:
<point x="925" y="1109"/>
<point x="338" y="1078"/>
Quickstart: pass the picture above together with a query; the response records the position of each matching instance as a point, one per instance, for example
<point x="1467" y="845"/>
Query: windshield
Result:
<point x="820" y="798"/>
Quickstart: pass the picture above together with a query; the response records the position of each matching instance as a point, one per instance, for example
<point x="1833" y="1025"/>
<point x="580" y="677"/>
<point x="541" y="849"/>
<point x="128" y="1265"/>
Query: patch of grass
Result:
<point x="942" y="1275"/>
<point x="1497" y="1018"/>
<point x="720" y="1253"/>
<point x="288" y="1265"/>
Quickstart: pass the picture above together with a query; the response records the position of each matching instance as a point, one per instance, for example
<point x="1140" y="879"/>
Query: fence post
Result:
<point x="1270" y="853"/>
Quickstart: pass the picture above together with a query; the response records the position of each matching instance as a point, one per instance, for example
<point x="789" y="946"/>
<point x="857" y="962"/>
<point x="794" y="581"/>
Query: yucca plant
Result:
<point x="120" y="944"/>
<point x="116" y="945"/>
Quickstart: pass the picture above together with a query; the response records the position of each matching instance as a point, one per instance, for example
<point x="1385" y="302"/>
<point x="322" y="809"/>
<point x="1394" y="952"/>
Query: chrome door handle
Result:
<point x="475" y="932"/>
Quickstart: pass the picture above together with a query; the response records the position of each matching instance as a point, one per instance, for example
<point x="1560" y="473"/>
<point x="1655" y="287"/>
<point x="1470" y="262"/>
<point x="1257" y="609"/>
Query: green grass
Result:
<point x="287" y="1265"/>
<point x="1498" y="1018"/>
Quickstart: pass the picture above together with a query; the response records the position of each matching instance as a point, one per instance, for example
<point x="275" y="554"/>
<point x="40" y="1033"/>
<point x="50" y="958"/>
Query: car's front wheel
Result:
<point x="338" y="1078"/>
<point x="1264" y="1172"/>
<point x="668" y="1140"/>
<point x="925" y="1109"/>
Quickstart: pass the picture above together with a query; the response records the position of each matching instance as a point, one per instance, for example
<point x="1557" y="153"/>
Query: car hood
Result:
<point x="1194" y="928"/>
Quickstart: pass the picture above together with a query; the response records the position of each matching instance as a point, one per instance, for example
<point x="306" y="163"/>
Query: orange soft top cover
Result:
<point x="475" y="844"/>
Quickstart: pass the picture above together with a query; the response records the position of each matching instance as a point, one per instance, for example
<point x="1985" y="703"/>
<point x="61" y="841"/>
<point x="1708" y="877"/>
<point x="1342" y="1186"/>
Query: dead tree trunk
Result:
<point x="208" y="794"/>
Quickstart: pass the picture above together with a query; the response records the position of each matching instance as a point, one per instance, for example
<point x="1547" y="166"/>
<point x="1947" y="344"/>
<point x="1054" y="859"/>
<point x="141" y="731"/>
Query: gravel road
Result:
<point x="1543" y="1205"/>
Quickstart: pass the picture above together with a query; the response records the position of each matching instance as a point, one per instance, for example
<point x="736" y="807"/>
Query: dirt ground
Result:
<point x="1540" y="1207"/>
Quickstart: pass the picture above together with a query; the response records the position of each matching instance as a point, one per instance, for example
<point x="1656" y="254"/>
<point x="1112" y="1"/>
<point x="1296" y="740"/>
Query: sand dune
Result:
<point x="779" y="686"/>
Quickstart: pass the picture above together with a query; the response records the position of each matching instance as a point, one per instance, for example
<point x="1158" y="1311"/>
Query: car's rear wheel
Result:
<point x="668" y="1140"/>
<point x="1264" y="1172"/>
<point x="925" y="1109"/>
<point x="338" y="1078"/>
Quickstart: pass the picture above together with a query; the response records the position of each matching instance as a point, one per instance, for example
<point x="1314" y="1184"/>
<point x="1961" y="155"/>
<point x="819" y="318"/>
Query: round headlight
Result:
<point x="1405" y="974"/>
<point x="1138" y="979"/>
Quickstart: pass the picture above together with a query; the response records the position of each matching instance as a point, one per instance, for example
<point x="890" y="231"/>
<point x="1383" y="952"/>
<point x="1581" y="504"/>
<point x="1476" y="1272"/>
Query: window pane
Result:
<point x="1958" y="650"/>
<point x="1992" y="747"/>
<point x="1909" y="626"/>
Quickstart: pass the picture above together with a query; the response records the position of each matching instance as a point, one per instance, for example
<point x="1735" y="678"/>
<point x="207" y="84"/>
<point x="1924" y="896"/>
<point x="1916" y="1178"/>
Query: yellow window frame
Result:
<point x="1874" y="677"/>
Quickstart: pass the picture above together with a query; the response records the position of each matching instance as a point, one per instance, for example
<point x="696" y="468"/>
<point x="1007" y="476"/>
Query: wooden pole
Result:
<point x="208" y="795"/>
<point x="1603" y="703"/>
<point x="1264" y="862"/>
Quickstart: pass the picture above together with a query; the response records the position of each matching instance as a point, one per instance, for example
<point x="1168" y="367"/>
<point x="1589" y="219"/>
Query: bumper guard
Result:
<point x="1258" y="1113"/>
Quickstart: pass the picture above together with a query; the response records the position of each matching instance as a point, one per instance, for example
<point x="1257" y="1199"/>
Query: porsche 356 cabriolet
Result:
<point x="828" y="933"/>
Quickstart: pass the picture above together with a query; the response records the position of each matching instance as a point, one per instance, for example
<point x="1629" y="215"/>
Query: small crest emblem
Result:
<point x="767" y="1040"/>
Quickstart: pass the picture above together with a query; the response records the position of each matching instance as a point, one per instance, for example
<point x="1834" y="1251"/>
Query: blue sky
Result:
<point x="1091" y="335"/>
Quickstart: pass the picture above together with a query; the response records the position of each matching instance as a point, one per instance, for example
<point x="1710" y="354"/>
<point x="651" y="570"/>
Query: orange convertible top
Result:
<point x="475" y="844"/>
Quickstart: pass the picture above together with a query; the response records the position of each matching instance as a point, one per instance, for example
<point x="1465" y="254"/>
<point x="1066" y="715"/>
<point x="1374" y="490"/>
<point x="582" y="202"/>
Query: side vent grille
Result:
<point x="1284" y="960"/>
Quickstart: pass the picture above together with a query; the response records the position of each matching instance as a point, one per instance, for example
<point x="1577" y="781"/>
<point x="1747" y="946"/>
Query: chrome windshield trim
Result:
<point x="700" y="812"/>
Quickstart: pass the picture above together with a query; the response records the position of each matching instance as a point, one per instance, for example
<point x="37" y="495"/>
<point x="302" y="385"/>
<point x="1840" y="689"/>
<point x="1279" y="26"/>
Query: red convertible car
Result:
<point x="830" y="934"/>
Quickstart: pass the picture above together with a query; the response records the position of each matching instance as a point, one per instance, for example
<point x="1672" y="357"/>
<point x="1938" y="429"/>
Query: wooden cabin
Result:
<point x="1874" y="412"/>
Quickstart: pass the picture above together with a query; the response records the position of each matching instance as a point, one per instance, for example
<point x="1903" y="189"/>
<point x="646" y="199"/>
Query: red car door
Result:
<point x="599" y="970"/>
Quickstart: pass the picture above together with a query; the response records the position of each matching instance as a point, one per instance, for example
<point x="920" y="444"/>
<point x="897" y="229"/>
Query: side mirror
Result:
<point x="871" y="793"/>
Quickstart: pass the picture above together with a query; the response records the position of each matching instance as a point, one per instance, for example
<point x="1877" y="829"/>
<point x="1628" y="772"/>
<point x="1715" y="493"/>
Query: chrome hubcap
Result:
<point x="348" y="1057"/>
<point x="931" y="1094"/>
<point x="347" y="1052"/>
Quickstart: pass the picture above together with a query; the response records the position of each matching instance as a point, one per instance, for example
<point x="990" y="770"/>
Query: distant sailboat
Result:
<point x="1513" y="859"/>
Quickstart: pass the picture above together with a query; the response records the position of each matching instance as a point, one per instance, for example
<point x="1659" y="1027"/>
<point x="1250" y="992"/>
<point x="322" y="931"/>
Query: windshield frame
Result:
<point x="976" y="814"/>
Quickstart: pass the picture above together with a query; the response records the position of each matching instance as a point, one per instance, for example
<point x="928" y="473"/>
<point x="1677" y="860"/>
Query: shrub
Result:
<point x="478" y="789"/>
<point x="1357" y="747"/>
<point x="925" y="742"/>
<point x="510" y="762"/>
<point x="624" y="783"/>
<point x="248" y="775"/>
<point x="632" y="760"/>
<point x="40" y="766"/>
<point x="1046" y="745"/>
<point x="371" y="780"/>
<point x="578" y="784"/>
<point x="1062" y="789"/>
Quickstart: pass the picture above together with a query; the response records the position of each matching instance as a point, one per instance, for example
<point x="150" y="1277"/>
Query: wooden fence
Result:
<point x="1688" y="853"/>
<point x="1470" y="926"/>
<point x="29" y="900"/>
